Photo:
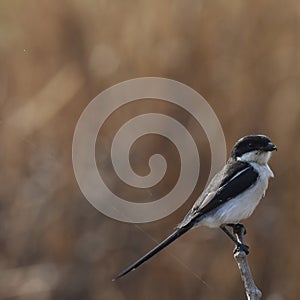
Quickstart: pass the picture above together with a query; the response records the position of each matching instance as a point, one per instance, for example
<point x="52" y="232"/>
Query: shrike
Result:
<point x="231" y="196"/>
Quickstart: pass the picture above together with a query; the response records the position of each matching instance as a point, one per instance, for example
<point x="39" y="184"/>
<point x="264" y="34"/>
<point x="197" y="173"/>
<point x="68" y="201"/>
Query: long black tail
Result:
<point x="175" y="235"/>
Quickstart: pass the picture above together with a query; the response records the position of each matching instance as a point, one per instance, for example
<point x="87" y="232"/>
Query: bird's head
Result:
<point x="253" y="148"/>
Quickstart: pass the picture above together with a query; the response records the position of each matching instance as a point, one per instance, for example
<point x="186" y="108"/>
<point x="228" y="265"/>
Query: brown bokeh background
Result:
<point x="55" y="56"/>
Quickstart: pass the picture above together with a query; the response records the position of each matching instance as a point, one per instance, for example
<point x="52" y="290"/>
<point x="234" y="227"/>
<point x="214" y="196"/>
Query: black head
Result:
<point x="252" y="143"/>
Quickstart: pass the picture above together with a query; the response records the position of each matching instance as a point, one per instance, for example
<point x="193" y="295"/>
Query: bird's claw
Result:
<point x="241" y="247"/>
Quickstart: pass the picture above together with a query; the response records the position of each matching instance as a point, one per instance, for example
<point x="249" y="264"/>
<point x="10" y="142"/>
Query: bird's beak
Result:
<point x="270" y="147"/>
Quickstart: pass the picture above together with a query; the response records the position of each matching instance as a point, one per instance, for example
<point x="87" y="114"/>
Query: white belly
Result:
<point x="242" y="206"/>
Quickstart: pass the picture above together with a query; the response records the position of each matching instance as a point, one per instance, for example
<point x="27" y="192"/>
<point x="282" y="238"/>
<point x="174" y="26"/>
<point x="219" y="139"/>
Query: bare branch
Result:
<point x="252" y="291"/>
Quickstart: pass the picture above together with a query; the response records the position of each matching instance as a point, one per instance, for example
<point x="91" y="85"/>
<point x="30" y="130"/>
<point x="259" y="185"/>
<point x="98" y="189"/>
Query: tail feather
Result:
<point x="175" y="235"/>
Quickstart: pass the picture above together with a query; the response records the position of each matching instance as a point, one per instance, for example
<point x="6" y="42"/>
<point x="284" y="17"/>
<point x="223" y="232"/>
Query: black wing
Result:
<point x="234" y="179"/>
<point x="238" y="181"/>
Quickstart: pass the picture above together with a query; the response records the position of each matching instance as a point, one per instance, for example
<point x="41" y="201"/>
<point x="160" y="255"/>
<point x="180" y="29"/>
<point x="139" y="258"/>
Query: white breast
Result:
<point x="242" y="206"/>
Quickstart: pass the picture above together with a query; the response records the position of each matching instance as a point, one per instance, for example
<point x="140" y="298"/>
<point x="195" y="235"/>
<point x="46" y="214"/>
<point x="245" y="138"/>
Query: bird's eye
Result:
<point x="250" y="145"/>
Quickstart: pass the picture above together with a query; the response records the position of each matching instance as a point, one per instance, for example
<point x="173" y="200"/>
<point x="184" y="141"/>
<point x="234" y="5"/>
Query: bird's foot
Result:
<point x="241" y="247"/>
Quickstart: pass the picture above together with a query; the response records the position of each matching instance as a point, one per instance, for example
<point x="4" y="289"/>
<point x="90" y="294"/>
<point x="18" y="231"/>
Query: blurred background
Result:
<point x="55" y="57"/>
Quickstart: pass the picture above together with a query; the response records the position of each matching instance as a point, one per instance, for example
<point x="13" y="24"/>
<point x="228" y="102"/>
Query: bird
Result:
<point x="231" y="196"/>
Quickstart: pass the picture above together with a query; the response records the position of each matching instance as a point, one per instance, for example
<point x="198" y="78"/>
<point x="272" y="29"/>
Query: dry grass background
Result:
<point x="55" y="56"/>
